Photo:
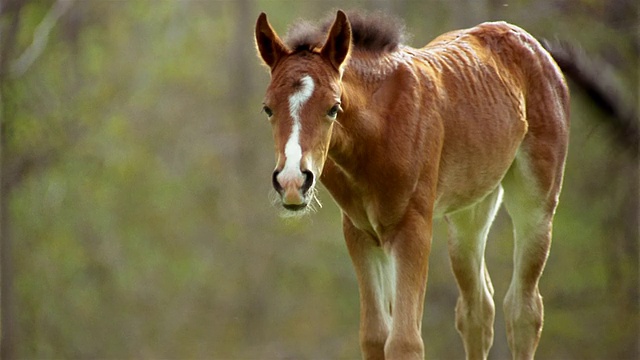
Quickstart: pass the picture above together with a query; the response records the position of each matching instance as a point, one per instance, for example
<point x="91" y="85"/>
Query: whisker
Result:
<point x="312" y="207"/>
<point x="314" y="197"/>
<point x="274" y="198"/>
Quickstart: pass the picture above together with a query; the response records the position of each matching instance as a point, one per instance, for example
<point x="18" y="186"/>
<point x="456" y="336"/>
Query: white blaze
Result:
<point x="292" y="150"/>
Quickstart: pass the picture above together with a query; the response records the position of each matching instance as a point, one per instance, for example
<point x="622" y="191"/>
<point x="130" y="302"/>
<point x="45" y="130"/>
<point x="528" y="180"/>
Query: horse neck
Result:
<point x="352" y="131"/>
<point x="359" y="127"/>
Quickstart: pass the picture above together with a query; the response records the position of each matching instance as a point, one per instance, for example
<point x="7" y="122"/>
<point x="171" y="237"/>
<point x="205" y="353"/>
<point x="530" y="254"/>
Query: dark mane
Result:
<point x="376" y="32"/>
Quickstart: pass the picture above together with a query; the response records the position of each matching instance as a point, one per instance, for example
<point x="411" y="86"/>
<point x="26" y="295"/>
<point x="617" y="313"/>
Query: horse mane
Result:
<point x="374" y="32"/>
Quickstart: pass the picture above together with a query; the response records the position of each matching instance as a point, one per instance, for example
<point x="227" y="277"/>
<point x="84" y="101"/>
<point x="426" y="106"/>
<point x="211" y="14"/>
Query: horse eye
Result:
<point x="267" y="111"/>
<point x="333" y="112"/>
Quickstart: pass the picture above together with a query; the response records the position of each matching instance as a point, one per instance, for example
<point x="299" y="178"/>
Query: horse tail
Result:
<point x="599" y="86"/>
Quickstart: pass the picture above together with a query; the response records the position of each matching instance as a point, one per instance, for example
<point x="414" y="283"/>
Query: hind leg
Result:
<point x="475" y="310"/>
<point x="532" y="187"/>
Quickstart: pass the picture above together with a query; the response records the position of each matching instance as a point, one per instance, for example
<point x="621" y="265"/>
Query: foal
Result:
<point x="400" y="136"/>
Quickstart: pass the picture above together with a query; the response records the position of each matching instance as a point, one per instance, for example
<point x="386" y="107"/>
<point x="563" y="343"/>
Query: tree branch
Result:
<point x="40" y="38"/>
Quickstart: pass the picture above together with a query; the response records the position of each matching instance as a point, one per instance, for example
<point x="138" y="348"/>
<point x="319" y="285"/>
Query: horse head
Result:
<point x="302" y="103"/>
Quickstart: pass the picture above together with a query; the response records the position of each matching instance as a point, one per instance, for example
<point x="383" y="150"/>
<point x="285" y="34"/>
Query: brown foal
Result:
<point x="400" y="136"/>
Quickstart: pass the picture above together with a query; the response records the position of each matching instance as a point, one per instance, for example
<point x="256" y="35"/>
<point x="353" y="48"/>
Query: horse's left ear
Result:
<point x="336" y="47"/>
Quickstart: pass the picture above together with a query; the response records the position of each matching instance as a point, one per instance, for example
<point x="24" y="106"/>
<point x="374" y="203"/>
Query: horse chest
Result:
<point x="362" y="202"/>
<point x="365" y="216"/>
<point x="361" y="212"/>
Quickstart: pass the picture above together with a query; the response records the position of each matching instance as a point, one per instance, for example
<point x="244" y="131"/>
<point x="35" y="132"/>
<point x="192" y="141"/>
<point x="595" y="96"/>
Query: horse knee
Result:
<point x="475" y="326"/>
<point x="372" y="348"/>
<point x="524" y="315"/>
<point x="405" y="347"/>
<point x="472" y="317"/>
<point x="372" y="341"/>
<point x="525" y="309"/>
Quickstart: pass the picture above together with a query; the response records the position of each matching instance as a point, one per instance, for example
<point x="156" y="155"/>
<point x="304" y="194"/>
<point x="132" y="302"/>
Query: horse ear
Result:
<point x="270" y="47"/>
<point x="336" y="47"/>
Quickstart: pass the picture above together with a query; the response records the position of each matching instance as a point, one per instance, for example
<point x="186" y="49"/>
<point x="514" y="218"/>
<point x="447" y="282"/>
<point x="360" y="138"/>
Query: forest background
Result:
<point x="136" y="165"/>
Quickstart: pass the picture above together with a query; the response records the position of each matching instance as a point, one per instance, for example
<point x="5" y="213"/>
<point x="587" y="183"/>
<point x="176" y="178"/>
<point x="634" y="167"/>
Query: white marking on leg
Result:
<point x="383" y="268"/>
<point x="292" y="149"/>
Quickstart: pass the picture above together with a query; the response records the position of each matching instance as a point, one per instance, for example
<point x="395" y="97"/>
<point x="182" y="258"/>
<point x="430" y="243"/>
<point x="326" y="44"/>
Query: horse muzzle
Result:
<point x="293" y="188"/>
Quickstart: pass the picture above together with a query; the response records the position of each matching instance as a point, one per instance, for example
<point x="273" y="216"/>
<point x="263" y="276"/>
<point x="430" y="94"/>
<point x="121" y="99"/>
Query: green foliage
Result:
<point x="141" y="221"/>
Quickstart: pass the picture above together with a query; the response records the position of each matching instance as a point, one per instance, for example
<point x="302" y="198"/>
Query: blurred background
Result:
<point x="136" y="164"/>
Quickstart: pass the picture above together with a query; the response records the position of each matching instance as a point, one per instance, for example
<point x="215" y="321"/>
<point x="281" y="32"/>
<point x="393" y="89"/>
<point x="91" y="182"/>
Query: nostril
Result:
<point x="276" y="184"/>
<point x="308" y="180"/>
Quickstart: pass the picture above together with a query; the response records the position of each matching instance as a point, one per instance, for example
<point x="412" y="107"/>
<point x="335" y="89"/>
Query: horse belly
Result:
<point x="475" y="160"/>
<point x="460" y="193"/>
